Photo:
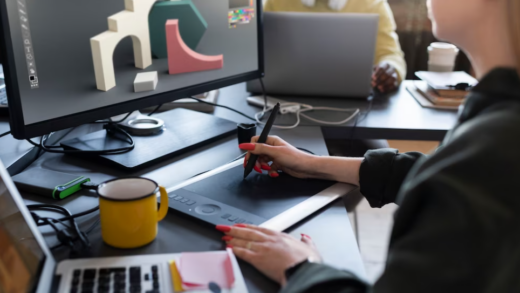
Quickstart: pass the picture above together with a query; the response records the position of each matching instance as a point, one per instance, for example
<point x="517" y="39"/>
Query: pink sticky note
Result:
<point x="197" y="270"/>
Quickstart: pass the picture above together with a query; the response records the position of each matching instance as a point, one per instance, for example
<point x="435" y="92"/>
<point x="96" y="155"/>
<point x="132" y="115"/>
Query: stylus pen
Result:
<point x="262" y="139"/>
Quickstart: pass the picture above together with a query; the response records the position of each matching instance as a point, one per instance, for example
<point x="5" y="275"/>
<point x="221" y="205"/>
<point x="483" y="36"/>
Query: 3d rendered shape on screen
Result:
<point x="192" y="25"/>
<point x="145" y="81"/>
<point x="181" y="58"/>
<point x="133" y="21"/>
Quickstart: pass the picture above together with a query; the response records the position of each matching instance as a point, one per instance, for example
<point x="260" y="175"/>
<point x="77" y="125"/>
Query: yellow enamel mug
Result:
<point x="128" y="211"/>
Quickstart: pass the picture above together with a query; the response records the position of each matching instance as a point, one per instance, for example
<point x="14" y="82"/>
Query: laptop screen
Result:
<point x="21" y="257"/>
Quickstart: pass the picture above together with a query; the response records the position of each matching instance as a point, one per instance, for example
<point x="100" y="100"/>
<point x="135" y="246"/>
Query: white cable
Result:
<point x="307" y="108"/>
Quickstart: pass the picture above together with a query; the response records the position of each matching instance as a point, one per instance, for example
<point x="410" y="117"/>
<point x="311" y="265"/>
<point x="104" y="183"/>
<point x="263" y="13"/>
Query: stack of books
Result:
<point x="446" y="89"/>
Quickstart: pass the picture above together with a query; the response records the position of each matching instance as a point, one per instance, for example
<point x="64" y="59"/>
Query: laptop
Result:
<point x="27" y="264"/>
<point x="318" y="54"/>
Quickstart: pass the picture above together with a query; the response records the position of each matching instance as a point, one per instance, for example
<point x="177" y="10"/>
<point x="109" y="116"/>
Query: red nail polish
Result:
<point x="247" y="146"/>
<point x="274" y="175"/>
<point x="223" y="228"/>
<point x="240" y="225"/>
<point x="258" y="169"/>
<point x="229" y="246"/>
<point x="227" y="238"/>
<point x="245" y="163"/>
<point x="306" y="236"/>
<point x="266" y="167"/>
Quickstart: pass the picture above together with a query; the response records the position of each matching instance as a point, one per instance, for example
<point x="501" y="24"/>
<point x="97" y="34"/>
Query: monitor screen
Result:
<point x="21" y="257"/>
<point x="67" y="58"/>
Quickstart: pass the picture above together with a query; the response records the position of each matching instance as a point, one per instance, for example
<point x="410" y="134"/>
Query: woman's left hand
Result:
<point x="270" y="252"/>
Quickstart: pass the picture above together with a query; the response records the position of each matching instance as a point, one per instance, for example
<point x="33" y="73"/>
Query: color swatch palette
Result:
<point x="240" y="16"/>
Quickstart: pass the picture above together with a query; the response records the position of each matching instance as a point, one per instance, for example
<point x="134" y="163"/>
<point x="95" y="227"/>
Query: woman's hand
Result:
<point x="272" y="253"/>
<point x="385" y="78"/>
<point x="284" y="156"/>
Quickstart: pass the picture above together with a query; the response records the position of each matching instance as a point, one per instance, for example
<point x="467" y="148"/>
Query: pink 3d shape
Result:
<point x="181" y="58"/>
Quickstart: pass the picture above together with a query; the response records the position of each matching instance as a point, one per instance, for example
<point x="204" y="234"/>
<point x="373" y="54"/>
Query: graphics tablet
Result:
<point x="222" y="196"/>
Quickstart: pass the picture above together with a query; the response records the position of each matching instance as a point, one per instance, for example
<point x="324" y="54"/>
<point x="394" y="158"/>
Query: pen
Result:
<point x="262" y="139"/>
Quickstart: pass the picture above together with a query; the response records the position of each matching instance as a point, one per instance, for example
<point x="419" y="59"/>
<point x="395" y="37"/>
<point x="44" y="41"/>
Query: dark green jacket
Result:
<point x="458" y="225"/>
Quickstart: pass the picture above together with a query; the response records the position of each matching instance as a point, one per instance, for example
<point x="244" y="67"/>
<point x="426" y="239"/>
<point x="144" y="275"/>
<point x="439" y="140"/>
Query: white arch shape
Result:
<point x="131" y="22"/>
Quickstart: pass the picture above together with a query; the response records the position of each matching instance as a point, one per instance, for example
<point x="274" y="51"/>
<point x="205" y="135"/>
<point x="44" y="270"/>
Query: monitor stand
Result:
<point x="138" y="124"/>
<point x="183" y="131"/>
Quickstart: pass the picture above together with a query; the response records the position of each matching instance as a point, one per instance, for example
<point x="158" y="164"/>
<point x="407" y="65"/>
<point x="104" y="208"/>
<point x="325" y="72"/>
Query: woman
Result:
<point x="390" y="66"/>
<point x="457" y="226"/>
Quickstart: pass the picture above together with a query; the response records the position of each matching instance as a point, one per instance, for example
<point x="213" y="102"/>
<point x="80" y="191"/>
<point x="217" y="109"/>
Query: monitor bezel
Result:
<point x="22" y="131"/>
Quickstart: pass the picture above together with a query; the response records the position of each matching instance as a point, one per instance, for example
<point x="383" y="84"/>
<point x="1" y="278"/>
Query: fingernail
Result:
<point x="227" y="238"/>
<point x="240" y="225"/>
<point x="245" y="163"/>
<point x="266" y="167"/>
<point x="258" y="169"/>
<point x="229" y="246"/>
<point x="223" y="228"/>
<point x="274" y="175"/>
<point x="247" y="146"/>
<point x="306" y="236"/>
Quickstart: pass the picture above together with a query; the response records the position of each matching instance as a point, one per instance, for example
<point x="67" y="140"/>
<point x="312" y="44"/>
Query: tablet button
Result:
<point x="225" y="216"/>
<point x="232" y="219"/>
<point x="240" y="221"/>
<point x="207" y="209"/>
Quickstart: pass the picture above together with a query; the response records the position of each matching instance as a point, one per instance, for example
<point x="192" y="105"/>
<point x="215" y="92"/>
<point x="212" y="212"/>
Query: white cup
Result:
<point x="442" y="57"/>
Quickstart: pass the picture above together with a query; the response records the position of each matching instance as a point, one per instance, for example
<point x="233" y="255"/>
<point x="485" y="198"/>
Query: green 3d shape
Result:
<point x="191" y="24"/>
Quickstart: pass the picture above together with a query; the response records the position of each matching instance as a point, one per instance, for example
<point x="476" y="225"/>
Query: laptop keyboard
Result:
<point x="115" y="280"/>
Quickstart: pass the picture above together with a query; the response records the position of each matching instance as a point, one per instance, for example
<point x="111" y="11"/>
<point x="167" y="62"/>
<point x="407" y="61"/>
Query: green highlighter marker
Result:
<point x="64" y="190"/>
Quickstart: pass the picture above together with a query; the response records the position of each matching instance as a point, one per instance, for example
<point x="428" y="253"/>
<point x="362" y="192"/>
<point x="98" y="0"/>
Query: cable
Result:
<point x="358" y="120"/>
<point x="93" y="226"/>
<point x="63" y="236"/>
<point x="114" y="122"/>
<point x="4" y="134"/>
<point x="90" y="211"/>
<point x="300" y="109"/>
<point x="111" y="129"/>
<point x="155" y="110"/>
<point x="307" y="108"/>
<point x="264" y="93"/>
<point x="222" y="106"/>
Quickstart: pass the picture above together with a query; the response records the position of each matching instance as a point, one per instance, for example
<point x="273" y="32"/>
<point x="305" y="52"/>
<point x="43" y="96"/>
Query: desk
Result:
<point x="179" y="233"/>
<point x="393" y="116"/>
<point x="396" y="116"/>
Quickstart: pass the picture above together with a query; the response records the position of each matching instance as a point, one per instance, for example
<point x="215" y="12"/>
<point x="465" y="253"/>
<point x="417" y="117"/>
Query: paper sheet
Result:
<point x="440" y="80"/>
<point x="197" y="270"/>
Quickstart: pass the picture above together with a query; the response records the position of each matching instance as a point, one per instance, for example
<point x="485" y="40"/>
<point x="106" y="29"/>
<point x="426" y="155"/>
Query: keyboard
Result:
<point x="143" y="278"/>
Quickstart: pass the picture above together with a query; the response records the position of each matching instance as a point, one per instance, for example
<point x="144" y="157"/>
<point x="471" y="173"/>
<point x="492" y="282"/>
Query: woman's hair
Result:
<point x="514" y="29"/>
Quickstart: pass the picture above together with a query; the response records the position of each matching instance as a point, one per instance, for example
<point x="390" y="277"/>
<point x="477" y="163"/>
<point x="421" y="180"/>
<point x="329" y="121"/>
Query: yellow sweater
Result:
<point x="387" y="47"/>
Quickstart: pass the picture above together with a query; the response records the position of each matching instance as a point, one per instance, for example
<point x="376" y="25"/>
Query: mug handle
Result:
<point x="163" y="209"/>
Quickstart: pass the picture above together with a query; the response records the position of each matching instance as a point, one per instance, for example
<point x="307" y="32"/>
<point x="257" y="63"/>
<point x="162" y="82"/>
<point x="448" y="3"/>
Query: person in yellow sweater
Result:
<point x="390" y="67"/>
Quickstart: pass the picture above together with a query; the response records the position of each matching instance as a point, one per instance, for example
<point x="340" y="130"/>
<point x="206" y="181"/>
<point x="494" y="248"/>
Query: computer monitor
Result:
<point x="72" y="62"/>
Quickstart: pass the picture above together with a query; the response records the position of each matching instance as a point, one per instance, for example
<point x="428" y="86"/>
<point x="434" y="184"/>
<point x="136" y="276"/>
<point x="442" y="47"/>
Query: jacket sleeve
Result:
<point x="382" y="173"/>
<point x="319" y="278"/>
<point x="388" y="47"/>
